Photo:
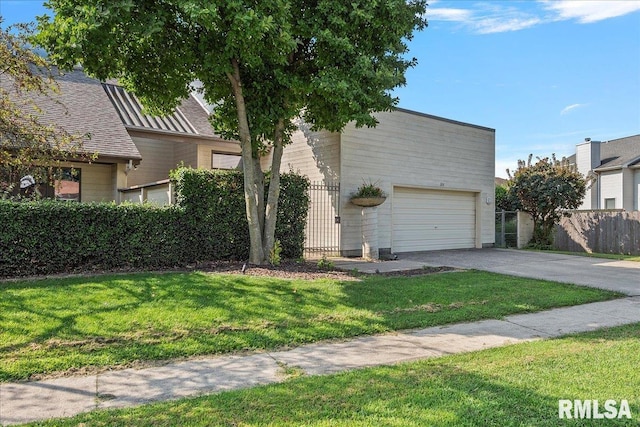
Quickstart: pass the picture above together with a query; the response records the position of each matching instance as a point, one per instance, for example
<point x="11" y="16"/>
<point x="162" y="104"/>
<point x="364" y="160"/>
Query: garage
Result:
<point x="426" y="220"/>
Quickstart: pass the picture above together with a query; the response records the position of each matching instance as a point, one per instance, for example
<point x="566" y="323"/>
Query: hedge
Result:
<point x="208" y="223"/>
<point x="218" y="198"/>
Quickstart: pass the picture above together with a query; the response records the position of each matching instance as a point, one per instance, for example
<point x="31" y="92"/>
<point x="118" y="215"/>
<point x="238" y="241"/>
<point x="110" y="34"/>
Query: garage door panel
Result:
<point x="417" y="220"/>
<point x="433" y="219"/>
<point x="407" y="231"/>
<point x="432" y="236"/>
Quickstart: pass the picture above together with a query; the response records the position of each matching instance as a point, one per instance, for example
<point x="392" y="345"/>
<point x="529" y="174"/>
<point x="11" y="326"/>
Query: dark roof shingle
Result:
<point x="82" y="108"/>
<point x="620" y="152"/>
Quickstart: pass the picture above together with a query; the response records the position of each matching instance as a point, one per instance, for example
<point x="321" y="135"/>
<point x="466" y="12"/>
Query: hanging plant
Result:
<point x="369" y="194"/>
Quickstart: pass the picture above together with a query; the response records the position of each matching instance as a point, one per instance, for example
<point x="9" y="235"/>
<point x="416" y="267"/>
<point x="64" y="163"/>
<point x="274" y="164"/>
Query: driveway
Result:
<point x="621" y="276"/>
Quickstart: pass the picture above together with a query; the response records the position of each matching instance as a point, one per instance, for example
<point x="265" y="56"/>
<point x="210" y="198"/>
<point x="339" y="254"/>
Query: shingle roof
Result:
<point x="81" y="107"/>
<point x="620" y="152"/>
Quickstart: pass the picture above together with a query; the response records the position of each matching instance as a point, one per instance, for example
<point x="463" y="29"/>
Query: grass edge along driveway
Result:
<point x="516" y="385"/>
<point x="61" y="326"/>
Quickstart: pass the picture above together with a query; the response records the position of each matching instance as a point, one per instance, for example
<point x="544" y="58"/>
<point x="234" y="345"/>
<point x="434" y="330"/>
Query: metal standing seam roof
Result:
<point x="130" y="111"/>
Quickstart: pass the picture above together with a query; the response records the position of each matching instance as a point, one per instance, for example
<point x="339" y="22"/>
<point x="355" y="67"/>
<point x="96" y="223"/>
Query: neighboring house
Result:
<point x="615" y="166"/>
<point x="135" y="151"/>
<point x="438" y="175"/>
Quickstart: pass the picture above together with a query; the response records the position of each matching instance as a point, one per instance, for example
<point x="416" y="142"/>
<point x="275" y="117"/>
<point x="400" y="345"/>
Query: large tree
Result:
<point x="546" y="190"/>
<point x="28" y="145"/>
<point x="262" y="63"/>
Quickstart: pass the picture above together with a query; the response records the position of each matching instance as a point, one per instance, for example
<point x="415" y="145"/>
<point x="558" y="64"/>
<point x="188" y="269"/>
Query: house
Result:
<point x="135" y="151"/>
<point x="438" y="175"/>
<point x="615" y="167"/>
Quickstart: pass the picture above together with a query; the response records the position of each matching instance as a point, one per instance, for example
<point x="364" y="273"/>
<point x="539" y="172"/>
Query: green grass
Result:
<point x="49" y="326"/>
<point x="518" y="385"/>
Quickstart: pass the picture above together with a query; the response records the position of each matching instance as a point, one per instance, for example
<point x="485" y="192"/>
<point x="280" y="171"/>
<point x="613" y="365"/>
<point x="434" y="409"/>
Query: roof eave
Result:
<point x="141" y="131"/>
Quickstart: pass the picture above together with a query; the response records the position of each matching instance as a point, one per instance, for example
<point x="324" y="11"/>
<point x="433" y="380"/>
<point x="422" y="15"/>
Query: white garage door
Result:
<point x="433" y="219"/>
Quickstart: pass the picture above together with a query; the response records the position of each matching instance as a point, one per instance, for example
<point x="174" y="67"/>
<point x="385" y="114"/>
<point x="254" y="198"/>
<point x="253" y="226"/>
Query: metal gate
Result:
<point x="506" y="229"/>
<point x="322" y="234"/>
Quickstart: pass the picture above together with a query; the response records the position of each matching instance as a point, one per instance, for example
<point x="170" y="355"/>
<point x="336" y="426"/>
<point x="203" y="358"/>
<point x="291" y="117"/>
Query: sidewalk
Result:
<point x="65" y="397"/>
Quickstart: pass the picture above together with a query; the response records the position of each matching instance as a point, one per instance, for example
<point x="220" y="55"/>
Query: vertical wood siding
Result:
<point x="600" y="231"/>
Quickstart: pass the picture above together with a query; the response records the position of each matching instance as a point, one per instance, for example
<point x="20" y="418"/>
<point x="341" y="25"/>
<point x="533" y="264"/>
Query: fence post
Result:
<point x="503" y="237"/>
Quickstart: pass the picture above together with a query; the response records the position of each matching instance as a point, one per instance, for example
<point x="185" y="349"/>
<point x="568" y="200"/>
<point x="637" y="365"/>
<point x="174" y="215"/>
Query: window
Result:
<point x="225" y="161"/>
<point x="609" y="203"/>
<point x="64" y="184"/>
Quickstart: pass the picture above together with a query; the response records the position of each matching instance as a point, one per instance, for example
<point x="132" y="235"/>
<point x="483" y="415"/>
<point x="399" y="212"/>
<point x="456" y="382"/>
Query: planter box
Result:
<point x="367" y="202"/>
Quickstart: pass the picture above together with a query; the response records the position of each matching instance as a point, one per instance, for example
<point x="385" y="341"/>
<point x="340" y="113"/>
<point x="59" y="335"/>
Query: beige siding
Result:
<point x="157" y="161"/>
<point x="413" y="150"/>
<point x="317" y="156"/>
<point x="314" y="154"/>
<point x="611" y="188"/>
<point x="186" y="153"/>
<point x="96" y="183"/>
<point x="161" y="156"/>
<point x="205" y="150"/>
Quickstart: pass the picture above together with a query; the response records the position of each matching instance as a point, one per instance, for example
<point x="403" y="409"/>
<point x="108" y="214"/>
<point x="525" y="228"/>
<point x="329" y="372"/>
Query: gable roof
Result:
<point x="108" y="113"/>
<point x="130" y="111"/>
<point x="618" y="153"/>
<point x="189" y="117"/>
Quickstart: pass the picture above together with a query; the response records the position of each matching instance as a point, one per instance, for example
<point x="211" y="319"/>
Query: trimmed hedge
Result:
<point x="207" y="224"/>
<point x="214" y="202"/>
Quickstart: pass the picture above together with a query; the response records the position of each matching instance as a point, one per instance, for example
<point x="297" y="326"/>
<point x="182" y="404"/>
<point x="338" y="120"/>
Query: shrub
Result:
<point x="208" y="223"/>
<point x="368" y="189"/>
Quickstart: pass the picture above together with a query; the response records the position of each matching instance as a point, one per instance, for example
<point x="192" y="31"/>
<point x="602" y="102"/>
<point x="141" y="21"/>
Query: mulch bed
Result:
<point x="306" y="270"/>
<point x="288" y="269"/>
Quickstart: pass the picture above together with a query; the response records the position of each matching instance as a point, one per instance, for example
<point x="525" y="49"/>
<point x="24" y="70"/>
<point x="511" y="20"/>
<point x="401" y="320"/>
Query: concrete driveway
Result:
<point x="621" y="276"/>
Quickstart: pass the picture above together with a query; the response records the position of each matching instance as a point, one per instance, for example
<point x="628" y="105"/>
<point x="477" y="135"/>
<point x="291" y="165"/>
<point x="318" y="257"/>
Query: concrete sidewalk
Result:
<point x="65" y="397"/>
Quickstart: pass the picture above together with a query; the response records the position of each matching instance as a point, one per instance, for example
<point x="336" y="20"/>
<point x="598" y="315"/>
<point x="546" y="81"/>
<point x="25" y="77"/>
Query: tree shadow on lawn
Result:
<point x="148" y="316"/>
<point x="116" y="320"/>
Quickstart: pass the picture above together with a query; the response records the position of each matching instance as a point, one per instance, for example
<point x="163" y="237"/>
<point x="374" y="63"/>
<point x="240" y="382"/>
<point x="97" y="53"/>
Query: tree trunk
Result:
<point x="259" y="178"/>
<point x="271" y="211"/>
<point x="256" y="253"/>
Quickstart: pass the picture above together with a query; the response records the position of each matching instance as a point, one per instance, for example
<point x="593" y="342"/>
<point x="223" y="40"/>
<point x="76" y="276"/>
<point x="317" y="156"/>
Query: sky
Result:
<point x="544" y="74"/>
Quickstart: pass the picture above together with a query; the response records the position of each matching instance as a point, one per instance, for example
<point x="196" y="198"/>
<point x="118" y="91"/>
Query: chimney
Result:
<point x="588" y="156"/>
<point x="587" y="159"/>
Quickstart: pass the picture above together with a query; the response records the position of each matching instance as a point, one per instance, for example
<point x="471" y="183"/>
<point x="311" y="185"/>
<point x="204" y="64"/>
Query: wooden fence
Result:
<point x="615" y="232"/>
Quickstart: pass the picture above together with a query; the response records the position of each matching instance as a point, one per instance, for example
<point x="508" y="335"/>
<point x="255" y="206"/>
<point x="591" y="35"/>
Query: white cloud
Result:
<point x="449" y="14"/>
<point x="570" y="108"/>
<point x="485" y="18"/>
<point x="500" y="17"/>
<point x="502" y="25"/>
<point x="587" y="12"/>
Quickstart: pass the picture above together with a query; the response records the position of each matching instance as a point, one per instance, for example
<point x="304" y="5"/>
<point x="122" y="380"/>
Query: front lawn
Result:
<point x="49" y="326"/>
<point x="518" y="385"/>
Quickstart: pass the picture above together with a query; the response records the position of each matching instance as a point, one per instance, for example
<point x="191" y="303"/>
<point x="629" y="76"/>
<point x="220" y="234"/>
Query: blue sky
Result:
<point x="544" y="74"/>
